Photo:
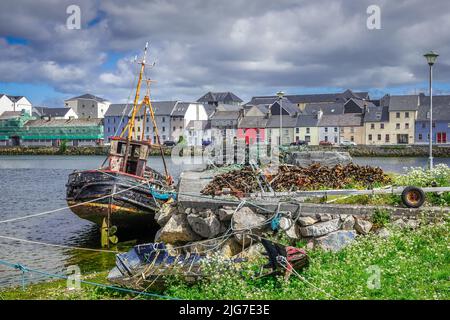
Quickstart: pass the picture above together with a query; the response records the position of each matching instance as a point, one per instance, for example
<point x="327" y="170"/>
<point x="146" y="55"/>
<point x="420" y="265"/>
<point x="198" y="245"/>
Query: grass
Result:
<point x="412" y="264"/>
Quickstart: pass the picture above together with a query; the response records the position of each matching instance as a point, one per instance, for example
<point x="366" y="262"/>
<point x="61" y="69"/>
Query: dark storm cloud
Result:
<point x="250" y="47"/>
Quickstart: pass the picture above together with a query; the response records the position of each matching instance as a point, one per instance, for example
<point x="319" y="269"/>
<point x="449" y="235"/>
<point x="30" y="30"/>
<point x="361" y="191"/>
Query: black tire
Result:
<point x="413" y="197"/>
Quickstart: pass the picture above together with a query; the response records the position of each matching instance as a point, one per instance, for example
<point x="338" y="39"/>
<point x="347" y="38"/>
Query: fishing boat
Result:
<point x="125" y="192"/>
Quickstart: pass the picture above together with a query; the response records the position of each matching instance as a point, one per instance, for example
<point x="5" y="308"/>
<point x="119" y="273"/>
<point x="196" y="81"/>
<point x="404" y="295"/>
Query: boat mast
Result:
<point x="135" y="107"/>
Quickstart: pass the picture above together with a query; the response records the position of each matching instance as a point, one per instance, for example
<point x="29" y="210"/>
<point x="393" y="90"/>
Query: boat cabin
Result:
<point x="138" y="152"/>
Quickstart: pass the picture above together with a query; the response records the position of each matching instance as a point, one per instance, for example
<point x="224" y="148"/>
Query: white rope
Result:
<point x="72" y="206"/>
<point x="57" y="245"/>
<point x="284" y="263"/>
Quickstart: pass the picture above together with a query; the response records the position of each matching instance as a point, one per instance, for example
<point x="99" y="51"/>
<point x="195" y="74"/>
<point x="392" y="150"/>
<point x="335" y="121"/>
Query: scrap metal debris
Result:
<point x="294" y="178"/>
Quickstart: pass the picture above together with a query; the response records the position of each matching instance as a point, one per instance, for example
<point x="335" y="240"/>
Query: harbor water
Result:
<point x="34" y="184"/>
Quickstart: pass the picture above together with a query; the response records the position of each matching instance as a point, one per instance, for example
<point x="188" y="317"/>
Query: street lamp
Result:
<point x="280" y="95"/>
<point x="431" y="59"/>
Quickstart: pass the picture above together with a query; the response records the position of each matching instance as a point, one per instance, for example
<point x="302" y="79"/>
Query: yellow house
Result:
<point x="393" y="122"/>
<point x="306" y="129"/>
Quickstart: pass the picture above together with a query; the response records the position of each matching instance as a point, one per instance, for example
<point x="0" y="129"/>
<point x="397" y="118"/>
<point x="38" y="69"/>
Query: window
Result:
<point x="434" y="124"/>
<point x="423" y="125"/>
<point x="335" y="139"/>
<point x="352" y="138"/>
<point x="82" y="106"/>
<point x="420" y="136"/>
<point x="164" y="129"/>
<point x="326" y="138"/>
<point x="297" y="130"/>
<point x="406" y="114"/>
<point x="381" y="125"/>
<point x="335" y="129"/>
<point x="397" y="126"/>
<point x="372" y="126"/>
<point x="308" y="129"/>
<point x="379" y="137"/>
<point x="397" y="115"/>
<point x="93" y="106"/>
<point x="406" y="125"/>
<point x="387" y="138"/>
<point x="326" y="130"/>
<point x="174" y="128"/>
<point x="370" y="137"/>
<point x="163" y="119"/>
<point x="146" y="129"/>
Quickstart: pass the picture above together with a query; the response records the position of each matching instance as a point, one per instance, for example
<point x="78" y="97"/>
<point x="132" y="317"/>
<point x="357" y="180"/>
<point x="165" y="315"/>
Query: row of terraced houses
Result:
<point x="333" y="118"/>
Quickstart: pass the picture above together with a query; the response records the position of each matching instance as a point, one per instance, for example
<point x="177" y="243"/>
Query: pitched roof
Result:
<point x="51" y="112"/>
<point x="403" y="103"/>
<point x="253" y="122"/>
<point x="219" y="97"/>
<point x="163" y="108"/>
<point x="64" y="122"/>
<point x="307" y="121"/>
<point x="10" y="115"/>
<point x="118" y="109"/>
<point x="12" y="98"/>
<point x="287" y="122"/>
<point x="288" y="106"/>
<point x="199" y="124"/>
<point x="225" y="115"/>
<point x="313" y="98"/>
<point x="441" y="108"/>
<point x="341" y="120"/>
<point x="376" y="113"/>
<point x="179" y="109"/>
<point x="325" y="107"/>
<point x="89" y="97"/>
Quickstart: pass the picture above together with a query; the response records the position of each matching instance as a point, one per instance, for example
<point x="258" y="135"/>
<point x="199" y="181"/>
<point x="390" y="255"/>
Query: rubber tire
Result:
<point x="410" y="204"/>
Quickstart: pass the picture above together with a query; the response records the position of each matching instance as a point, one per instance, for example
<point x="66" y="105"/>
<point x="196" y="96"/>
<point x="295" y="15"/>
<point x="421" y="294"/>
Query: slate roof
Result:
<point x="403" y="103"/>
<point x="287" y="105"/>
<point x="163" y="108"/>
<point x="326" y="107"/>
<point x="253" y="122"/>
<point x="199" y="124"/>
<point x="376" y="114"/>
<point x="219" y="97"/>
<point x="117" y="110"/>
<point x="225" y="115"/>
<point x="312" y="98"/>
<point x="307" y="121"/>
<point x="88" y="96"/>
<point x="441" y="108"/>
<point x="341" y="120"/>
<point x="288" y="122"/>
<point x="50" y="112"/>
<point x="179" y="109"/>
<point x="64" y="122"/>
<point x="10" y="115"/>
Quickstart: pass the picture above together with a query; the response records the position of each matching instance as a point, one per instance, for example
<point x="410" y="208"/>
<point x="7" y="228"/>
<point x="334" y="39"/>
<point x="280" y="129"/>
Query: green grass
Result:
<point x="413" y="264"/>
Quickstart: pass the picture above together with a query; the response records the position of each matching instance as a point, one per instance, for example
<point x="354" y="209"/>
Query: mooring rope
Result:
<point x="72" y="206"/>
<point x="25" y="269"/>
<point x="58" y="245"/>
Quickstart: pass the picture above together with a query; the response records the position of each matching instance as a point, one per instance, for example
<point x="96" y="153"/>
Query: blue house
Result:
<point x="441" y="120"/>
<point x="116" y="117"/>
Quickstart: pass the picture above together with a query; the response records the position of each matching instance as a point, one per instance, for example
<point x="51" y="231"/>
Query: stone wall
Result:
<point x="181" y="225"/>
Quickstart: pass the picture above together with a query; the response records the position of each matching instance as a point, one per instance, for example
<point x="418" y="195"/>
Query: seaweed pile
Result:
<point x="294" y="178"/>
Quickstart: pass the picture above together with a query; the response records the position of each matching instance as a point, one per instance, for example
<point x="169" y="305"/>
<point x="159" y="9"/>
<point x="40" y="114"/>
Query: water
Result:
<point x="32" y="184"/>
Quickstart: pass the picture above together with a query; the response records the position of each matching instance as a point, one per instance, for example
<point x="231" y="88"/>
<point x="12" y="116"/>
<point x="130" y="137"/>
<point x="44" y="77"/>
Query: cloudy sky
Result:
<point x="250" y="47"/>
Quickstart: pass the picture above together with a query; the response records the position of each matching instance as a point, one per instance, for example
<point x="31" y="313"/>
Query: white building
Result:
<point x="14" y="103"/>
<point x="88" y="106"/>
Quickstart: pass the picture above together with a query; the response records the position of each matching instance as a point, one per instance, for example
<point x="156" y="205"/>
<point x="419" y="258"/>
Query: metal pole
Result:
<point x="431" y="118"/>
<point x="281" y="121"/>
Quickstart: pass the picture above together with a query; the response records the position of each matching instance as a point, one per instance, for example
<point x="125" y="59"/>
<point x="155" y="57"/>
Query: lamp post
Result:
<point x="280" y="95"/>
<point x="431" y="59"/>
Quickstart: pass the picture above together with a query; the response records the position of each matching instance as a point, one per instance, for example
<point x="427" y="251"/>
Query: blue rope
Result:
<point x="275" y="223"/>
<point x="24" y="269"/>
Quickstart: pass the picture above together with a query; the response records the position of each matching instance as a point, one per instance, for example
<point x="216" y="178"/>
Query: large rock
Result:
<point x="207" y="227"/>
<point x="165" y="212"/>
<point x="383" y="233"/>
<point x="176" y="230"/>
<point x="230" y="248"/>
<point x="245" y="219"/>
<point x="225" y="213"/>
<point x="325" y="158"/>
<point x="321" y="228"/>
<point x="348" y="223"/>
<point x="335" y="241"/>
<point x="289" y="227"/>
<point x="306" y="221"/>
<point x="363" y="226"/>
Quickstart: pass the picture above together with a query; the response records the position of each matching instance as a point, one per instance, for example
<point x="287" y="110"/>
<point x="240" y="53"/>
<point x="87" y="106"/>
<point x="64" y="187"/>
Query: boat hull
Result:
<point x="132" y="205"/>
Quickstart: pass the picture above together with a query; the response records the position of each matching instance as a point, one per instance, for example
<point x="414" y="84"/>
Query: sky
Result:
<point x="249" y="47"/>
